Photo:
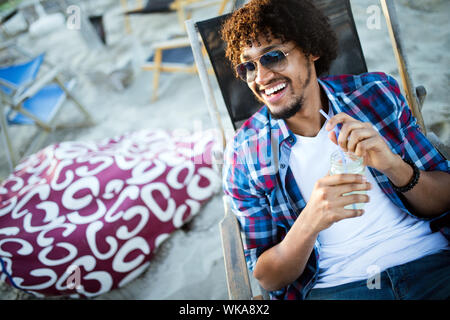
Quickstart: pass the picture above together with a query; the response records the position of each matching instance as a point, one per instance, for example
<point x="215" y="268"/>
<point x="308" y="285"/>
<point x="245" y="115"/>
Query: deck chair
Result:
<point x="152" y="6"/>
<point x="183" y="8"/>
<point x="28" y="96"/>
<point x="175" y="55"/>
<point x="241" y="104"/>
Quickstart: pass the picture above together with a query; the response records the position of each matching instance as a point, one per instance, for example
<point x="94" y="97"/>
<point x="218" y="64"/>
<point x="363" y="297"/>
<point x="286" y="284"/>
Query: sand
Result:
<point x="189" y="264"/>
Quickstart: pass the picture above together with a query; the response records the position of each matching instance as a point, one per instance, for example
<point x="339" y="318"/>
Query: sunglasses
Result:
<point x="273" y="60"/>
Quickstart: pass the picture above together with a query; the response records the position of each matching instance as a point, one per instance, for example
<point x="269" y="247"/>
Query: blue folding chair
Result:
<point x="170" y="56"/>
<point x="175" y="55"/>
<point x="27" y="99"/>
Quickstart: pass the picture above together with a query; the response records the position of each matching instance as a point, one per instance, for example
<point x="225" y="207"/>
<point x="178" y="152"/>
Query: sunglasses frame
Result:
<point x="253" y="61"/>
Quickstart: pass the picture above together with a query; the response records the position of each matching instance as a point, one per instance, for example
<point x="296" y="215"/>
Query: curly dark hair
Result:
<point x="288" y="20"/>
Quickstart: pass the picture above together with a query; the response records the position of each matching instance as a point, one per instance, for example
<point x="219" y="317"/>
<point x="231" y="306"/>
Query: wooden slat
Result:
<point x="238" y="281"/>
<point x="394" y="33"/>
<point x="170" y="67"/>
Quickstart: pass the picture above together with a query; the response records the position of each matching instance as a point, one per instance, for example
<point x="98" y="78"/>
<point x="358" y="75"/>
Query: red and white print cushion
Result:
<point x="81" y="219"/>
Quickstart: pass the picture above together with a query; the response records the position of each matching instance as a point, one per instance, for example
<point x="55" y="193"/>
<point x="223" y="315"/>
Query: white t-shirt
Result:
<point x="352" y="249"/>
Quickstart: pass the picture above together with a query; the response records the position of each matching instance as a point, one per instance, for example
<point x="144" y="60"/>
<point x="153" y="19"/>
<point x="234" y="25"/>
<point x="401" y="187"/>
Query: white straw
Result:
<point x="336" y="131"/>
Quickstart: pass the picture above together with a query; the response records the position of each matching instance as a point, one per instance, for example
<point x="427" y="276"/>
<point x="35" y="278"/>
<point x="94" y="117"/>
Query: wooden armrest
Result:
<point x="239" y="287"/>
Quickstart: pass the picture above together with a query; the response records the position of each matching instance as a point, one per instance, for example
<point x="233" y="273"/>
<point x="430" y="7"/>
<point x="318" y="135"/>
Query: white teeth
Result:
<point x="270" y="91"/>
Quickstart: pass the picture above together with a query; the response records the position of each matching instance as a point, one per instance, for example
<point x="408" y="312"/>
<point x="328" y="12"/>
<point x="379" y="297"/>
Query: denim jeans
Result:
<point x="421" y="279"/>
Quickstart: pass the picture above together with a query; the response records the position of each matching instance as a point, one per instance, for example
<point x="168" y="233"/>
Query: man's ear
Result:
<point x="315" y="58"/>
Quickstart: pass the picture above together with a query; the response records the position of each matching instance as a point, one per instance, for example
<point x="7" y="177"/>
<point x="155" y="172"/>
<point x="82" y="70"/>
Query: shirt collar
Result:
<point x="279" y="126"/>
<point x="331" y="95"/>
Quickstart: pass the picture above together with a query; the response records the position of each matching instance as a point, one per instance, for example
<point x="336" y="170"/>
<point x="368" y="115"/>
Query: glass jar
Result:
<point x="350" y="164"/>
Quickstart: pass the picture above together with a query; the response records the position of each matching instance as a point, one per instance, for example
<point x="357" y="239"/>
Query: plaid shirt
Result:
<point x="263" y="192"/>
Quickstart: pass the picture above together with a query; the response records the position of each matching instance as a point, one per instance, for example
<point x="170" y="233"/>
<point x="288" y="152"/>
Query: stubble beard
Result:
<point x="290" y="110"/>
<point x="296" y="105"/>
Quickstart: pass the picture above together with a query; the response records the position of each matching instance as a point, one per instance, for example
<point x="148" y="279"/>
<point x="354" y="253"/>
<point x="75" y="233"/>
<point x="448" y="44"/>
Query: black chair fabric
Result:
<point x="154" y="6"/>
<point x="181" y="55"/>
<point x="238" y="98"/>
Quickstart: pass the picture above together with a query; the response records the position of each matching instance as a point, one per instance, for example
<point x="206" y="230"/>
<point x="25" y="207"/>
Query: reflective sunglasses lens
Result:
<point x="245" y="70"/>
<point x="272" y="59"/>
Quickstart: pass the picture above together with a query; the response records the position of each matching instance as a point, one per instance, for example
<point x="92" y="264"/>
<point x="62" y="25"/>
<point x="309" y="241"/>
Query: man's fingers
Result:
<point x="365" y="145"/>
<point x="346" y="214"/>
<point x="332" y="136"/>
<point x="352" y="199"/>
<point x="339" y="118"/>
<point x="351" y="132"/>
<point x="346" y="131"/>
<point x="344" y="178"/>
<point x="356" y="137"/>
<point x="355" y="187"/>
<point x="351" y="213"/>
<point x="349" y="200"/>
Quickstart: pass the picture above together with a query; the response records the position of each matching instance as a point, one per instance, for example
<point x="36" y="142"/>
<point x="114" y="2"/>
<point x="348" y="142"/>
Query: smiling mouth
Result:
<point x="273" y="93"/>
<point x="274" y="90"/>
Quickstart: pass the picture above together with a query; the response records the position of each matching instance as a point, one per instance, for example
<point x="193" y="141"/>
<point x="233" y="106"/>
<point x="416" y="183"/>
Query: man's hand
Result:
<point x="430" y="197"/>
<point x="363" y="140"/>
<point x="326" y="204"/>
<point x="283" y="263"/>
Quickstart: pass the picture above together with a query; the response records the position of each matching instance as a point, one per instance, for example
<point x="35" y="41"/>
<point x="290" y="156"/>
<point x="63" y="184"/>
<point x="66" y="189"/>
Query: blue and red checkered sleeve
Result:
<point x="415" y="146"/>
<point x="249" y="204"/>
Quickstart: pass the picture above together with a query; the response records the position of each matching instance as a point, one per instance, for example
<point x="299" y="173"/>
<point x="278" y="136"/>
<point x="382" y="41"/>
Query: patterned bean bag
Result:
<point x="81" y="219"/>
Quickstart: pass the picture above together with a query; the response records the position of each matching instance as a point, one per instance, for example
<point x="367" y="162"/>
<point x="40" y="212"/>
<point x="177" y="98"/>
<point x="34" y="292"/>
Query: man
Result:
<point x="300" y="241"/>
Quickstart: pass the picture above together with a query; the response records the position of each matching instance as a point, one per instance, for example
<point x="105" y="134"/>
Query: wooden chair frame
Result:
<point x="184" y="9"/>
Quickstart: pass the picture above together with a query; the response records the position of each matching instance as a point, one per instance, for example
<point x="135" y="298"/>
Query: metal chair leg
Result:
<point x="79" y="105"/>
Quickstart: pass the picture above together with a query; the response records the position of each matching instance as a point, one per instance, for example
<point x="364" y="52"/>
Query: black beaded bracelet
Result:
<point x="413" y="181"/>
